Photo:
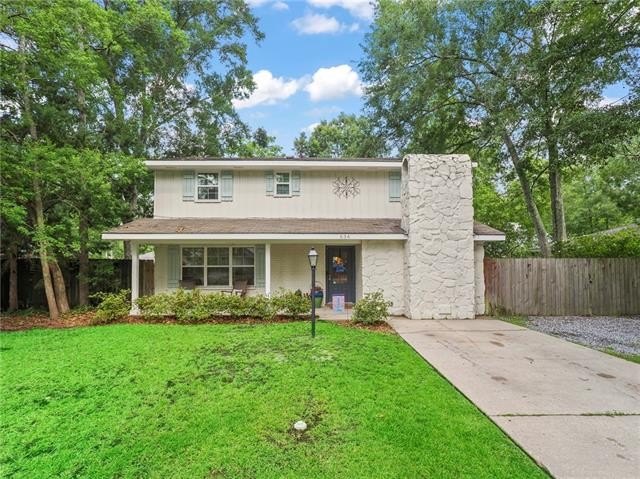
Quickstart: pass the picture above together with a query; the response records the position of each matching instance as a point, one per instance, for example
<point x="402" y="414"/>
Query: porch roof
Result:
<point x="273" y="228"/>
<point x="258" y="228"/>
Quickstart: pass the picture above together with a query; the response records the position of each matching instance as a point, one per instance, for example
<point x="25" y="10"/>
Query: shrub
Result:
<point x="291" y="303"/>
<point x="195" y="306"/>
<point x="621" y="244"/>
<point x="371" y="309"/>
<point x="113" y="306"/>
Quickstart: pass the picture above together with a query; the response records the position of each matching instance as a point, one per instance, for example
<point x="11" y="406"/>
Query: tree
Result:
<point x="347" y="136"/>
<point x="516" y="77"/>
<point x="88" y="89"/>
<point x="258" y="145"/>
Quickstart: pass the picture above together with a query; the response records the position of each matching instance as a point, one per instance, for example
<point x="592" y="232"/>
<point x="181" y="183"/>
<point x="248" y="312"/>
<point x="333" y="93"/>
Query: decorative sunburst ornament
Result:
<point x="346" y="186"/>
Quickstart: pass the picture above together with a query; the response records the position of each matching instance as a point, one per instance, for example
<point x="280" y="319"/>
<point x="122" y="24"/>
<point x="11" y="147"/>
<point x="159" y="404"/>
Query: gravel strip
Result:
<point x="620" y="334"/>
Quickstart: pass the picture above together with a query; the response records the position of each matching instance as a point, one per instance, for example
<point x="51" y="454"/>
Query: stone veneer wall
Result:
<point x="383" y="269"/>
<point x="437" y="213"/>
<point x="478" y="258"/>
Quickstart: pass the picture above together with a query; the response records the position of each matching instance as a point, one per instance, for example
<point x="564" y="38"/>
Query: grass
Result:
<point x="514" y="319"/>
<point x="218" y="401"/>
<point x="634" y="358"/>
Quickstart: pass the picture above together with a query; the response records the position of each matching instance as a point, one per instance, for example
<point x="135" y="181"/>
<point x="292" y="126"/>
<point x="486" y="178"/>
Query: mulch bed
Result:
<point x="377" y="327"/>
<point x="86" y="318"/>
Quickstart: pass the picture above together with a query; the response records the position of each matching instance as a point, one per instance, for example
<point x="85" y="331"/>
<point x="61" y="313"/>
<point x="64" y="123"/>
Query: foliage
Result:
<point x="371" y="309"/>
<point x="259" y="145"/>
<point x="291" y="303"/>
<point x="113" y="306"/>
<point x="603" y="196"/>
<point x="172" y="387"/>
<point x="347" y="136"/>
<point x="522" y="79"/>
<point x="88" y="89"/>
<point x="195" y="306"/>
<point x="620" y="244"/>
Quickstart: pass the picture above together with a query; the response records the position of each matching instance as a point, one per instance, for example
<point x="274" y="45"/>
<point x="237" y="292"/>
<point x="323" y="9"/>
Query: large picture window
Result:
<point x="218" y="266"/>
<point x="208" y="187"/>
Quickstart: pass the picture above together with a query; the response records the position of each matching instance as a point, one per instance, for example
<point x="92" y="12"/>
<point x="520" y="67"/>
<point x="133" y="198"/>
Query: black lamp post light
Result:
<point x="313" y="262"/>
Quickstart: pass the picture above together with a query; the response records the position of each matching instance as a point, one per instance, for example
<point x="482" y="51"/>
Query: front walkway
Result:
<point x="575" y="410"/>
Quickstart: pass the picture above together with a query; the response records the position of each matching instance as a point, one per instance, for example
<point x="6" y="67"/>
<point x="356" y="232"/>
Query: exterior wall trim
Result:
<point x="250" y="236"/>
<point x="488" y="237"/>
<point x="271" y="164"/>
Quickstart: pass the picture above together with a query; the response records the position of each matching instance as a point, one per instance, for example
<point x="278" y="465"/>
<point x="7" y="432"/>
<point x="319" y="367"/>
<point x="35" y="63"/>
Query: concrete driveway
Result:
<point x="575" y="410"/>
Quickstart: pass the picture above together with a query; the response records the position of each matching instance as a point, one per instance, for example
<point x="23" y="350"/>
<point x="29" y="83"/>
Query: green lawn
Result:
<point x="164" y="401"/>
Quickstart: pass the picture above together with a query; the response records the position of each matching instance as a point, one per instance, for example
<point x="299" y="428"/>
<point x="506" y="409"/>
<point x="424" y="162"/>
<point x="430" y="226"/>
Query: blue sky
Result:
<point x="305" y="69"/>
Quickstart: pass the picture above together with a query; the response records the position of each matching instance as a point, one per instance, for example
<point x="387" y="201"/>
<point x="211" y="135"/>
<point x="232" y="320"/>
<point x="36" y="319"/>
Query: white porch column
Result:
<point x="135" y="278"/>
<point x="267" y="269"/>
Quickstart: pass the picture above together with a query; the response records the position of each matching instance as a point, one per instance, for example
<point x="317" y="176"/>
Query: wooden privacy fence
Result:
<point x="562" y="286"/>
<point x="106" y="275"/>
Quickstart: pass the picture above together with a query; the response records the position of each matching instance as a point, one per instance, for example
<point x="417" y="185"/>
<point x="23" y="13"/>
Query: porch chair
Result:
<point x="240" y="287"/>
<point x="187" y="284"/>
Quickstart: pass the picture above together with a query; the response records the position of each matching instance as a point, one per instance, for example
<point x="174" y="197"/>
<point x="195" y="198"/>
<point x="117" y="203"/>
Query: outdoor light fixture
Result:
<point x="313" y="257"/>
<point x="313" y="262"/>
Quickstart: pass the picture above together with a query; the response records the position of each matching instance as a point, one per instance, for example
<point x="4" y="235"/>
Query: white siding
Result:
<point x="290" y="267"/>
<point x="316" y="200"/>
<point x="160" y="268"/>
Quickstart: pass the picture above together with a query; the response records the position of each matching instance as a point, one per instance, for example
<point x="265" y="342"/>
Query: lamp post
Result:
<point x="313" y="262"/>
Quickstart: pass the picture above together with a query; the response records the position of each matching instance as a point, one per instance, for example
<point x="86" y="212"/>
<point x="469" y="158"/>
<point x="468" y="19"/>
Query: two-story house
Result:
<point x="403" y="226"/>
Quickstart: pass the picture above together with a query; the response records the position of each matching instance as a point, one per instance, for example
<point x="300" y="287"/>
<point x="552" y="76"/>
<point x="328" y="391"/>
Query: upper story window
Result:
<point x="283" y="184"/>
<point x="208" y="187"/>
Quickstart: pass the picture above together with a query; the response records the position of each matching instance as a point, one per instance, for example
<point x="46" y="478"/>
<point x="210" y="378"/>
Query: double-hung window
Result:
<point x="218" y="266"/>
<point x="283" y="184"/>
<point x="208" y="187"/>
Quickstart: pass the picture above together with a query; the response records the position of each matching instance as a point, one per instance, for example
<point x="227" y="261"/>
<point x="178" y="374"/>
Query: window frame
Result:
<point x="230" y="266"/>
<point x="276" y="183"/>
<point x="198" y="186"/>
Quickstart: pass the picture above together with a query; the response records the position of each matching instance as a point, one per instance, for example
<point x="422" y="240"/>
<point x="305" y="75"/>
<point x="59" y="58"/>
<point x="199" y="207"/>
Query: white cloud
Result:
<point x="334" y="82"/>
<point x="317" y="23"/>
<point x="607" y="101"/>
<point x="279" y="5"/>
<point x="314" y="23"/>
<point x="269" y="90"/>
<point x="358" y="8"/>
<point x="309" y="129"/>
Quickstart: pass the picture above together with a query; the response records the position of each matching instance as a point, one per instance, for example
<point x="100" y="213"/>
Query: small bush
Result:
<point x="196" y="306"/>
<point x="622" y="244"/>
<point x="291" y="303"/>
<point x="371" y="309"/>
<point x="113" y="306"/>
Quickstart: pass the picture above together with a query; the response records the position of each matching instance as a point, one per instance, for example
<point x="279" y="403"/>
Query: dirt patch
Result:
<point x="42" y="320"/>
<point x="74" y="319"/>
<point x="378" y="327"/>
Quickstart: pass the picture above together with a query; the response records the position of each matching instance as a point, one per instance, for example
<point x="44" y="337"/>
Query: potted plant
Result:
<point x="318" y="294"/>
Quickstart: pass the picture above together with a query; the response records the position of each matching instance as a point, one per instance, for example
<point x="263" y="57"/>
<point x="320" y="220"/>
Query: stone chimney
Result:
<point x="437" y="213"/>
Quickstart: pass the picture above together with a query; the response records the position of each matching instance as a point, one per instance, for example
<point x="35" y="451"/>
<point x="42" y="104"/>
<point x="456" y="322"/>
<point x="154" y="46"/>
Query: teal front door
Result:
<point x="341" y="272"/>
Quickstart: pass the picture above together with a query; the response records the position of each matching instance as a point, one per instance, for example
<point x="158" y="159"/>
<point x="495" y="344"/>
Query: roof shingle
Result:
<point x="273" y="226"/>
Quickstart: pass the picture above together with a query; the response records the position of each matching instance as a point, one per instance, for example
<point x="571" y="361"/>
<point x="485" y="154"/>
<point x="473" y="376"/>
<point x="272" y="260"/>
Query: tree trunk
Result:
<point x="12" y="253"/>
<point x="559" y="227"/>
<point x="83" y="262"/>
<point x="59" y="286"/>
<point x="49" y="292"/>
<point x="532" y="209"/>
